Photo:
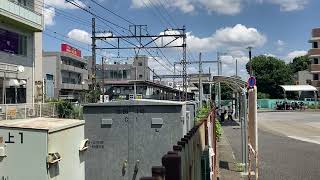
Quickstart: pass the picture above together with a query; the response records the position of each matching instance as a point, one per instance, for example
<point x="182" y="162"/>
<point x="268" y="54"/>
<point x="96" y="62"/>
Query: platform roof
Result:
<point x="298" y="88"/>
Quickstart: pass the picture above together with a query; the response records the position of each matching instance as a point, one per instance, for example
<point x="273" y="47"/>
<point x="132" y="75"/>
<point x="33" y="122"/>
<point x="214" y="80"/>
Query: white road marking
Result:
<point x="311" y="139"/>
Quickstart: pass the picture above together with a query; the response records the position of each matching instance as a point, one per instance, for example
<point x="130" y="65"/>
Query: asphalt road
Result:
<point x="289" y="145"/>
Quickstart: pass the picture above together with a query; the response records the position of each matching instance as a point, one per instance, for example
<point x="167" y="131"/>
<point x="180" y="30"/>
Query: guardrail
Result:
<point x="193" y="157"/>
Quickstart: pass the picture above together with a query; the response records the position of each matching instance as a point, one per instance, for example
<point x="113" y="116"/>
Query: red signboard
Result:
<point x="69" y="49"/>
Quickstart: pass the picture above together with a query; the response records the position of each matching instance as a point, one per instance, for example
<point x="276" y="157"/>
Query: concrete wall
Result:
<point x="142" y="70"/>
<point x="49" y="66"/>
<point x="38" y="56"/>
<point x="303" y="76"/>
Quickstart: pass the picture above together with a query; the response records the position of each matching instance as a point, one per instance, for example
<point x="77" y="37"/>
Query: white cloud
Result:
<point x="239" y="36"/>
<point x="63" y="4"/>
<point x="80" y="35"/>
<point x="294" y="54"/>
<point x="290" y="5"/>
<point x="231" y="60"/>
<point x="185" y="6"/>
<point x="230" y="38"/>
<point x="280" y="45"/>
<point x="227" y="7"/>
<point x="224" y="7"/>
<point x="270" y="55"/>
<point x="158" y="64"/>
<point x="49" y="14"/>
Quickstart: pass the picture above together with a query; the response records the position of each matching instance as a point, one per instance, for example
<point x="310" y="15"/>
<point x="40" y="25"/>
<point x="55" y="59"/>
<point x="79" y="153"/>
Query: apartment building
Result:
<point x="21" y="24"/>
<point x="314" y="56"/>
<point x="65" y="74"/>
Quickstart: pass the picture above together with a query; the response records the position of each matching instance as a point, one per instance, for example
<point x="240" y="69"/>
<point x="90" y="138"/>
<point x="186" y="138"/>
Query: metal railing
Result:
<point x="25" y="111"/>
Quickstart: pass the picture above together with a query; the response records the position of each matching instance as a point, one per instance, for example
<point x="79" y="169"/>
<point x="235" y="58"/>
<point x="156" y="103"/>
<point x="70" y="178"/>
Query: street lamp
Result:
<point x="250" y="63"/>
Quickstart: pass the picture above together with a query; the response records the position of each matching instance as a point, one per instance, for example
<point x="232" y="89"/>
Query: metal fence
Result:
<point x="25" y="111"/>
<point x="193" y="157"/>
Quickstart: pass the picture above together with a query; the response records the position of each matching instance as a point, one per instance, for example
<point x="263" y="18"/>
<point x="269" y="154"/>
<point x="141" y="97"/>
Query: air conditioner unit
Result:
<point x="53" y="158"/>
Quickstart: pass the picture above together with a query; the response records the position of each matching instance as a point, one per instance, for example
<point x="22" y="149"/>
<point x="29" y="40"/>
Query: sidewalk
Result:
<point x="226" y="159"/>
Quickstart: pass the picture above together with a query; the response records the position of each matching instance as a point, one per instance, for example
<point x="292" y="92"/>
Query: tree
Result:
<point x="299" y="64"/>
<point x="226" y="92"/>
<point x="270" y="73"/>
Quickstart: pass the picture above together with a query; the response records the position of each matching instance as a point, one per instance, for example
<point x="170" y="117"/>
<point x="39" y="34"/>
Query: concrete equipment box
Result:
<point x="127" y="138"/>
<point x="42" y="149"/>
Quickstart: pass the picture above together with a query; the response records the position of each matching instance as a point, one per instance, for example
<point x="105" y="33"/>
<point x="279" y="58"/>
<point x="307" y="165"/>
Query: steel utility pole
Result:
<point x="236" y="67"/>
<point x="103" y="78"/>
<point x="210" y="86"/>
<point x="184" y="65"/>
<point x="200" y="80"/>
<point x="93" y="68"/>
<point x="219" y="64"/>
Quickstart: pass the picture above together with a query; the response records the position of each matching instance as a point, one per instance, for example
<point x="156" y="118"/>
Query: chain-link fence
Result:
<point x="25" y="111"/>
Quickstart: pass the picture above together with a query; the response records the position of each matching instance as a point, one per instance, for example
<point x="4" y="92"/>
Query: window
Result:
<point x="139" y="63"/>
<point x="124" y="74"/>
<point x="22" y="2"/>
<point x="315" y="44"/>
<point x="49" y="77"/>
<point x="308" y="81"/>
<point x="13" y="43"/>
<point x="315" y="77"/>
<point x="140" y="76"/>
<point x="315" y="61"/>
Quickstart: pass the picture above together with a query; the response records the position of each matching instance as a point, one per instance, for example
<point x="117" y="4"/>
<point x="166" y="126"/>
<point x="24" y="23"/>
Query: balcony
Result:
<point x="316" y="32"/>
<point x="24" y="17"/>
<point x="314" y="52"/>
<point x="74" y="86"/>
<point x="315" y="83"/>
<point x="73" y="69"/>
<point x="315" y="68"/>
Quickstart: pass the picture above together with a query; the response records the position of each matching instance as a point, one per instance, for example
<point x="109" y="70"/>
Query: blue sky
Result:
<point x="279" y="28"/>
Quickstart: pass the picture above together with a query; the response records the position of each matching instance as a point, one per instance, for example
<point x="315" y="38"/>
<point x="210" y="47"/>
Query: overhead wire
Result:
<point x="130" y="22"/>
<point x="82" y="22"/>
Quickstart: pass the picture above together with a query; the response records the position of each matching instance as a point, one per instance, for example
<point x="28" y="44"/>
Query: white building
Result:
<point x="21" y="24"/>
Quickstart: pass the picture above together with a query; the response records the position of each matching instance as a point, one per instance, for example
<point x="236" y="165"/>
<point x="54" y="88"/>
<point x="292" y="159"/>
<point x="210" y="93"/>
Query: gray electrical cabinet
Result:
<point x="42" y="149"/>
<point x="127" y="138"/>
<point x="191" y="114"/>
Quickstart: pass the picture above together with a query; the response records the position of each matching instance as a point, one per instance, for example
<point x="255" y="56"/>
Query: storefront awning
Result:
<point x="298" y="88"/>
<point x="13" y="82"/>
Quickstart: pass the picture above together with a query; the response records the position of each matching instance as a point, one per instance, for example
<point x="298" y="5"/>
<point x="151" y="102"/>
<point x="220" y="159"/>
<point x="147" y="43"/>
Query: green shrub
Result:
<point x="219" y="130"/>
<point x="202" y="112"/>
<point x="64" y="109"/>
<point x="313" y="106"/>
